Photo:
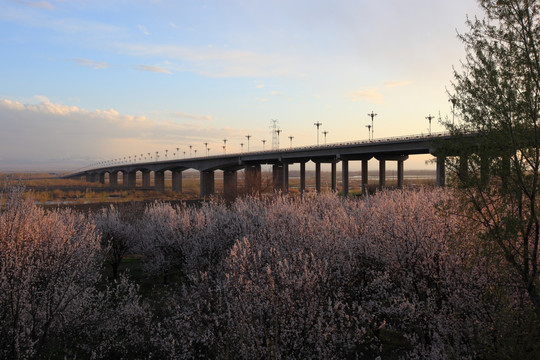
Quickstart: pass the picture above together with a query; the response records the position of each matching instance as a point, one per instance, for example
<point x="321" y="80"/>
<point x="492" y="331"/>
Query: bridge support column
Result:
<point x="441" y="170"/>
<point x="345" y="177"/>
<point x="277" y="177"/>
<point x="159" y="180"/>
<point x="177" y="180"/>
<point x="253" y="179"/>
<point x="125" y="179"/>
<point x="285" y="178"/>
<point x="318" y="177"/>
<point x="400" y="174"/>
<point x="365" y="177"/>
<point x="302" y="178"/>
<point x="146" y="179"/>
<point x="207" y="183"/>
<point x="334" y="176"/>
<point x="230" y="184"/>
<point x="382" y="173"/>
<point x="113" y="179"/>
<point x="102" y="178"/>
<point x="132" y="179"/>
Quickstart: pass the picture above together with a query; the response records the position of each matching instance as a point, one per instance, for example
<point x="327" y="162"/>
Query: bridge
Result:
<point x="390" y="149"/>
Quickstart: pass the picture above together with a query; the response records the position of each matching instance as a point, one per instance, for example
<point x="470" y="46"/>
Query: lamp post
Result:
<point x="248" y="136"/>
<point x="372" y="115"/>
<point x="177" y="152"/>
<point x="242" y="147"/>
<point x="224" y="145"/>
<point x="206" y="147"/>
<point x="264" y="142"/>
<point x="324" y="133"/>
<point x="278" y="131"/>
<point x="318" y="124"/>
<point x="368" y="131"/>
<point x="190" y="146"/>
<point x="429" y="117"/>
<point x="290" y="138"/>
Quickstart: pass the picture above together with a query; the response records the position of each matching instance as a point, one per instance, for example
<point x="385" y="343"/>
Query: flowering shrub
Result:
<point x="50" y="266"/>
<point x="321" y="278"/>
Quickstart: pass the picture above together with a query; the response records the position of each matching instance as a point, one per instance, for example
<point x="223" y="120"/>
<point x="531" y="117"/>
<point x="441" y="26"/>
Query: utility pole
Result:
<point x="429" y="117"/>
<point x="318" y="124"/>
<point x="372" y="115"/>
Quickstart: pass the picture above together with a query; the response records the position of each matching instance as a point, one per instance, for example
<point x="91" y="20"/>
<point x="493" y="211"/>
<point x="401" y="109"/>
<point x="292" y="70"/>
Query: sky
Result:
<point x="83" y="81"/>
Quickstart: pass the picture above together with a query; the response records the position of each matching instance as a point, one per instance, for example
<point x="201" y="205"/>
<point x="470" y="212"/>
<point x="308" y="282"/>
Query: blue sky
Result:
<point x="85" y="81"/>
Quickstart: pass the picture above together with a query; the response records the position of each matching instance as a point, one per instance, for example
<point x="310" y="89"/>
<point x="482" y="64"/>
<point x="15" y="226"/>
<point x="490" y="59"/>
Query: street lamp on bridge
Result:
<point x="248" y="136"/>
<point x="429" y="117"/>
<point x="324" y="133"/>
<point x="318" y="124"/>
<point x="372" y="116"/>
<point x="368" y="131"/>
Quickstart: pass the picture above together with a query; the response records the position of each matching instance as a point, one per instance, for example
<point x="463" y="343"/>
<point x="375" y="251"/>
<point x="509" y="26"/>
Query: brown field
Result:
<point x="50" y="191"/>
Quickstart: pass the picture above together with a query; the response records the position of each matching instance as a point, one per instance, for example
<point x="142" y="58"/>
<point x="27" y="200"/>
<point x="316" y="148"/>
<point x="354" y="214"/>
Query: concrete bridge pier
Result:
<point x="102" y="178"/>
<point x="365" y="177"/>
<point x="285" y="178"/>
<point x="302" y="178"/>
<point x="125" y="179"/>
<point x="382" y="173"/>
<point x="277" y="177"/>
<point x="230" y="184"/>
<point x="318" y="177"/>
<point x="253" y="179"/>
<point x="159" y="180"/>
<point x="207" y="183"/>
<point x="146" y="178"/>
<point x="177" y="180"/>
<point x="344" y="177"/>
<point x="382" y="169"/>
<point x="132" y="179"/>
<point x="113" y="179"/>
<point x="334" y="175"/>
<point x="441" y="170"/>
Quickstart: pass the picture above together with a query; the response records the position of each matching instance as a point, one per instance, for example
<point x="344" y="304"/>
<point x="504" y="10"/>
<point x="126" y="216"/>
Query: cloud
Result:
<point x="190" y="116"/>
<point x="143" y="29"/>
<point x="260" y="86"/>
<point x="56" y="135"/>
<point x="212" y="61"/>
<point x="37" y="4"/>
<point x="396" y="84"/>
<point x="91" y="63"/>
<point x="155" y="69"/>
<point x="370" y="95"/>
<point x="275" y="93"/>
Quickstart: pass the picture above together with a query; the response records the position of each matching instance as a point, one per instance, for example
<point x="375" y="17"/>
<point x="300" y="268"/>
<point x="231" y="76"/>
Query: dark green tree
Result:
<point x="496" y="97"/>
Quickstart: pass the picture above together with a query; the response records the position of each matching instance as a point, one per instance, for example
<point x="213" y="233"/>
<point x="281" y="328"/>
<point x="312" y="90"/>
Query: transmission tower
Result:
<point x="275" y="134"/>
